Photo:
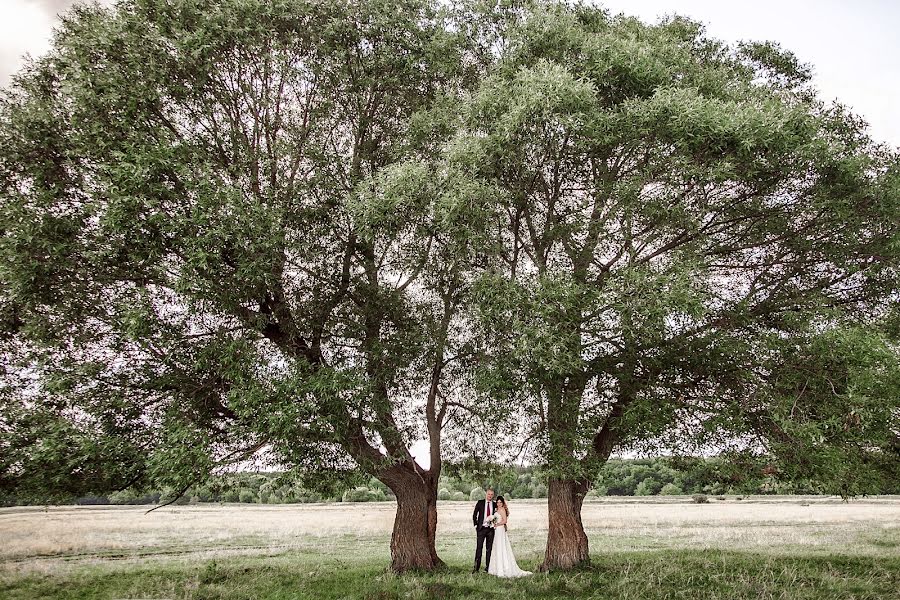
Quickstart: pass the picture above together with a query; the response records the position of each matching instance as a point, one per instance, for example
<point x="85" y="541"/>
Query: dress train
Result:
<point x="503" y="562"/>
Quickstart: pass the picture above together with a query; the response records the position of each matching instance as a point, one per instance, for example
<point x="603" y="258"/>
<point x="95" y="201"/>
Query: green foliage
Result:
<point x="123" y="497"/>
<point x="776" y="63"/>
<point x="664" y="476"/>
<point x="644" y="488"/>
<point x="204" y="494"/>
<point x="670" y="489"/>
<point x="231" y="495"/>
<point x="596" y="492"/>
<point x="363" y="494"/>
<point x="829" y="415"/>
<point x="472" y="472"/>
<point x="199" y="206"/>
<point x="677" y="215"/>
<point x="649" y="476"/>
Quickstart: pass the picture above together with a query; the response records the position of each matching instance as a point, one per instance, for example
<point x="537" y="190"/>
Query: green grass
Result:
<point x="847" y="552"/>
<point x="348" y="570"/>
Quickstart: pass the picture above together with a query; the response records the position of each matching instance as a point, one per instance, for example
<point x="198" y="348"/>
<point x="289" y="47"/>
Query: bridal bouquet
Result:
<point x="493" y="519"/>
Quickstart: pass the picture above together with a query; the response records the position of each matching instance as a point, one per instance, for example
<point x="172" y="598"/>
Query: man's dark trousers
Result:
<point x="486" y="537"/>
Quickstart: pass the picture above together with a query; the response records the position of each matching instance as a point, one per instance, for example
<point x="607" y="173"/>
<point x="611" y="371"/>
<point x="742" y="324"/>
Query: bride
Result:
<point x="503" y="563"/>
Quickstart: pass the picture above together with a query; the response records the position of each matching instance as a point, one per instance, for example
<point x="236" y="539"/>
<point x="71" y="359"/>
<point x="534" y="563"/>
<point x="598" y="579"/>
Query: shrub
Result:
<point x="643" y="489"/>
<point x="458" y="496"/>
<point x="444" y="494"/>
<point x="462" y="486"/>
<point x="148" y="498"/>
<point x="376" y="484"/>
<point x="247" y="496"/>
<point x="128" y="496"/>
<point x="539" y="491"/>
<point x="357" y="494"/>
<point x="363" y="494"/>
<point x="714" y="489"/>
<point x="476" y="494"/>
<point x="306" y="496"/>
<point x="700" y="498"/>
<point x="522" y="491"/>
<point x="670" y="489"/>
<point x="204" y="494"/>
<point x="168" y="494"/>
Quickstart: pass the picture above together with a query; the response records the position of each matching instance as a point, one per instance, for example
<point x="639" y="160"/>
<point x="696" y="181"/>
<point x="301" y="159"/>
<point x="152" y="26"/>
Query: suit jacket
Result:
<point x="478" y="515"/>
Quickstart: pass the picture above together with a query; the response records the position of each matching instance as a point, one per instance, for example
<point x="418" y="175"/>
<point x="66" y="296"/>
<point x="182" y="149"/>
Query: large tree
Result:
<point x="693" y="247"/>
<point x="224" y="234"/>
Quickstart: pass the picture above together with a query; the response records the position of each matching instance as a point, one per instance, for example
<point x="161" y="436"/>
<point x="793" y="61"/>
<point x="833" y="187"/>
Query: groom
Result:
<point x="484" y="532"/>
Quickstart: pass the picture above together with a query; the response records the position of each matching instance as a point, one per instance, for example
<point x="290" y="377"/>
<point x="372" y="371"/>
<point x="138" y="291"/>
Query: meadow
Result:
<point x="656" y="547"/>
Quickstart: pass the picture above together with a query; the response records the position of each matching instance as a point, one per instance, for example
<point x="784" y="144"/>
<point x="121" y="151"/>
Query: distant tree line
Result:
<point x="662" y="476"/>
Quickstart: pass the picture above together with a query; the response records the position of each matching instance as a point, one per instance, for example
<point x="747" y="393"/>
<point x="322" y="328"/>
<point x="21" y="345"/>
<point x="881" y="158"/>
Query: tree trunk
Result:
<point x="567" y="543"/>
<point x="413" y="539"/>
<point x="431" y="491"/>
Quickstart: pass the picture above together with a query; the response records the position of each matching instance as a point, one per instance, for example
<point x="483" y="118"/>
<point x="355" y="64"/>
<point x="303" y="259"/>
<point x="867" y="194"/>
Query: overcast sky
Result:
<point x="853" y="46"/>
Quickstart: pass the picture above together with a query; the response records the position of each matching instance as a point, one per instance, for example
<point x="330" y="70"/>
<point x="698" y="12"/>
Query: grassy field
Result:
<point x="660" y="547"/>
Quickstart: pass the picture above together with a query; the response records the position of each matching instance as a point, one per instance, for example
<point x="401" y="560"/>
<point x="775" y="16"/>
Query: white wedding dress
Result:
<point x="503" y="562"/>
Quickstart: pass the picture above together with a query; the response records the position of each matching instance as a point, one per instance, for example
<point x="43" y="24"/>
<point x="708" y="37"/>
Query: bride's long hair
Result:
<point x="505" y="505"/>
<point x="505" y="508"/>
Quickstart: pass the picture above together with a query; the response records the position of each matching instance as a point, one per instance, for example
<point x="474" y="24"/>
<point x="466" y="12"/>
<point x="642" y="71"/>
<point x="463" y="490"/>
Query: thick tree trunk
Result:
<point x="415" y="524"/>
<point x="567" y="543"/>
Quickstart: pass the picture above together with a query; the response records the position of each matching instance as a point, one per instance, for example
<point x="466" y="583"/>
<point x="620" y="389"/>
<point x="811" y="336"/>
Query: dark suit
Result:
<point x="484" y="535"/>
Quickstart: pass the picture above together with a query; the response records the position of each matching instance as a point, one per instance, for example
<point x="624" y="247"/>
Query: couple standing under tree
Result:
<point x="490" y="518"/>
